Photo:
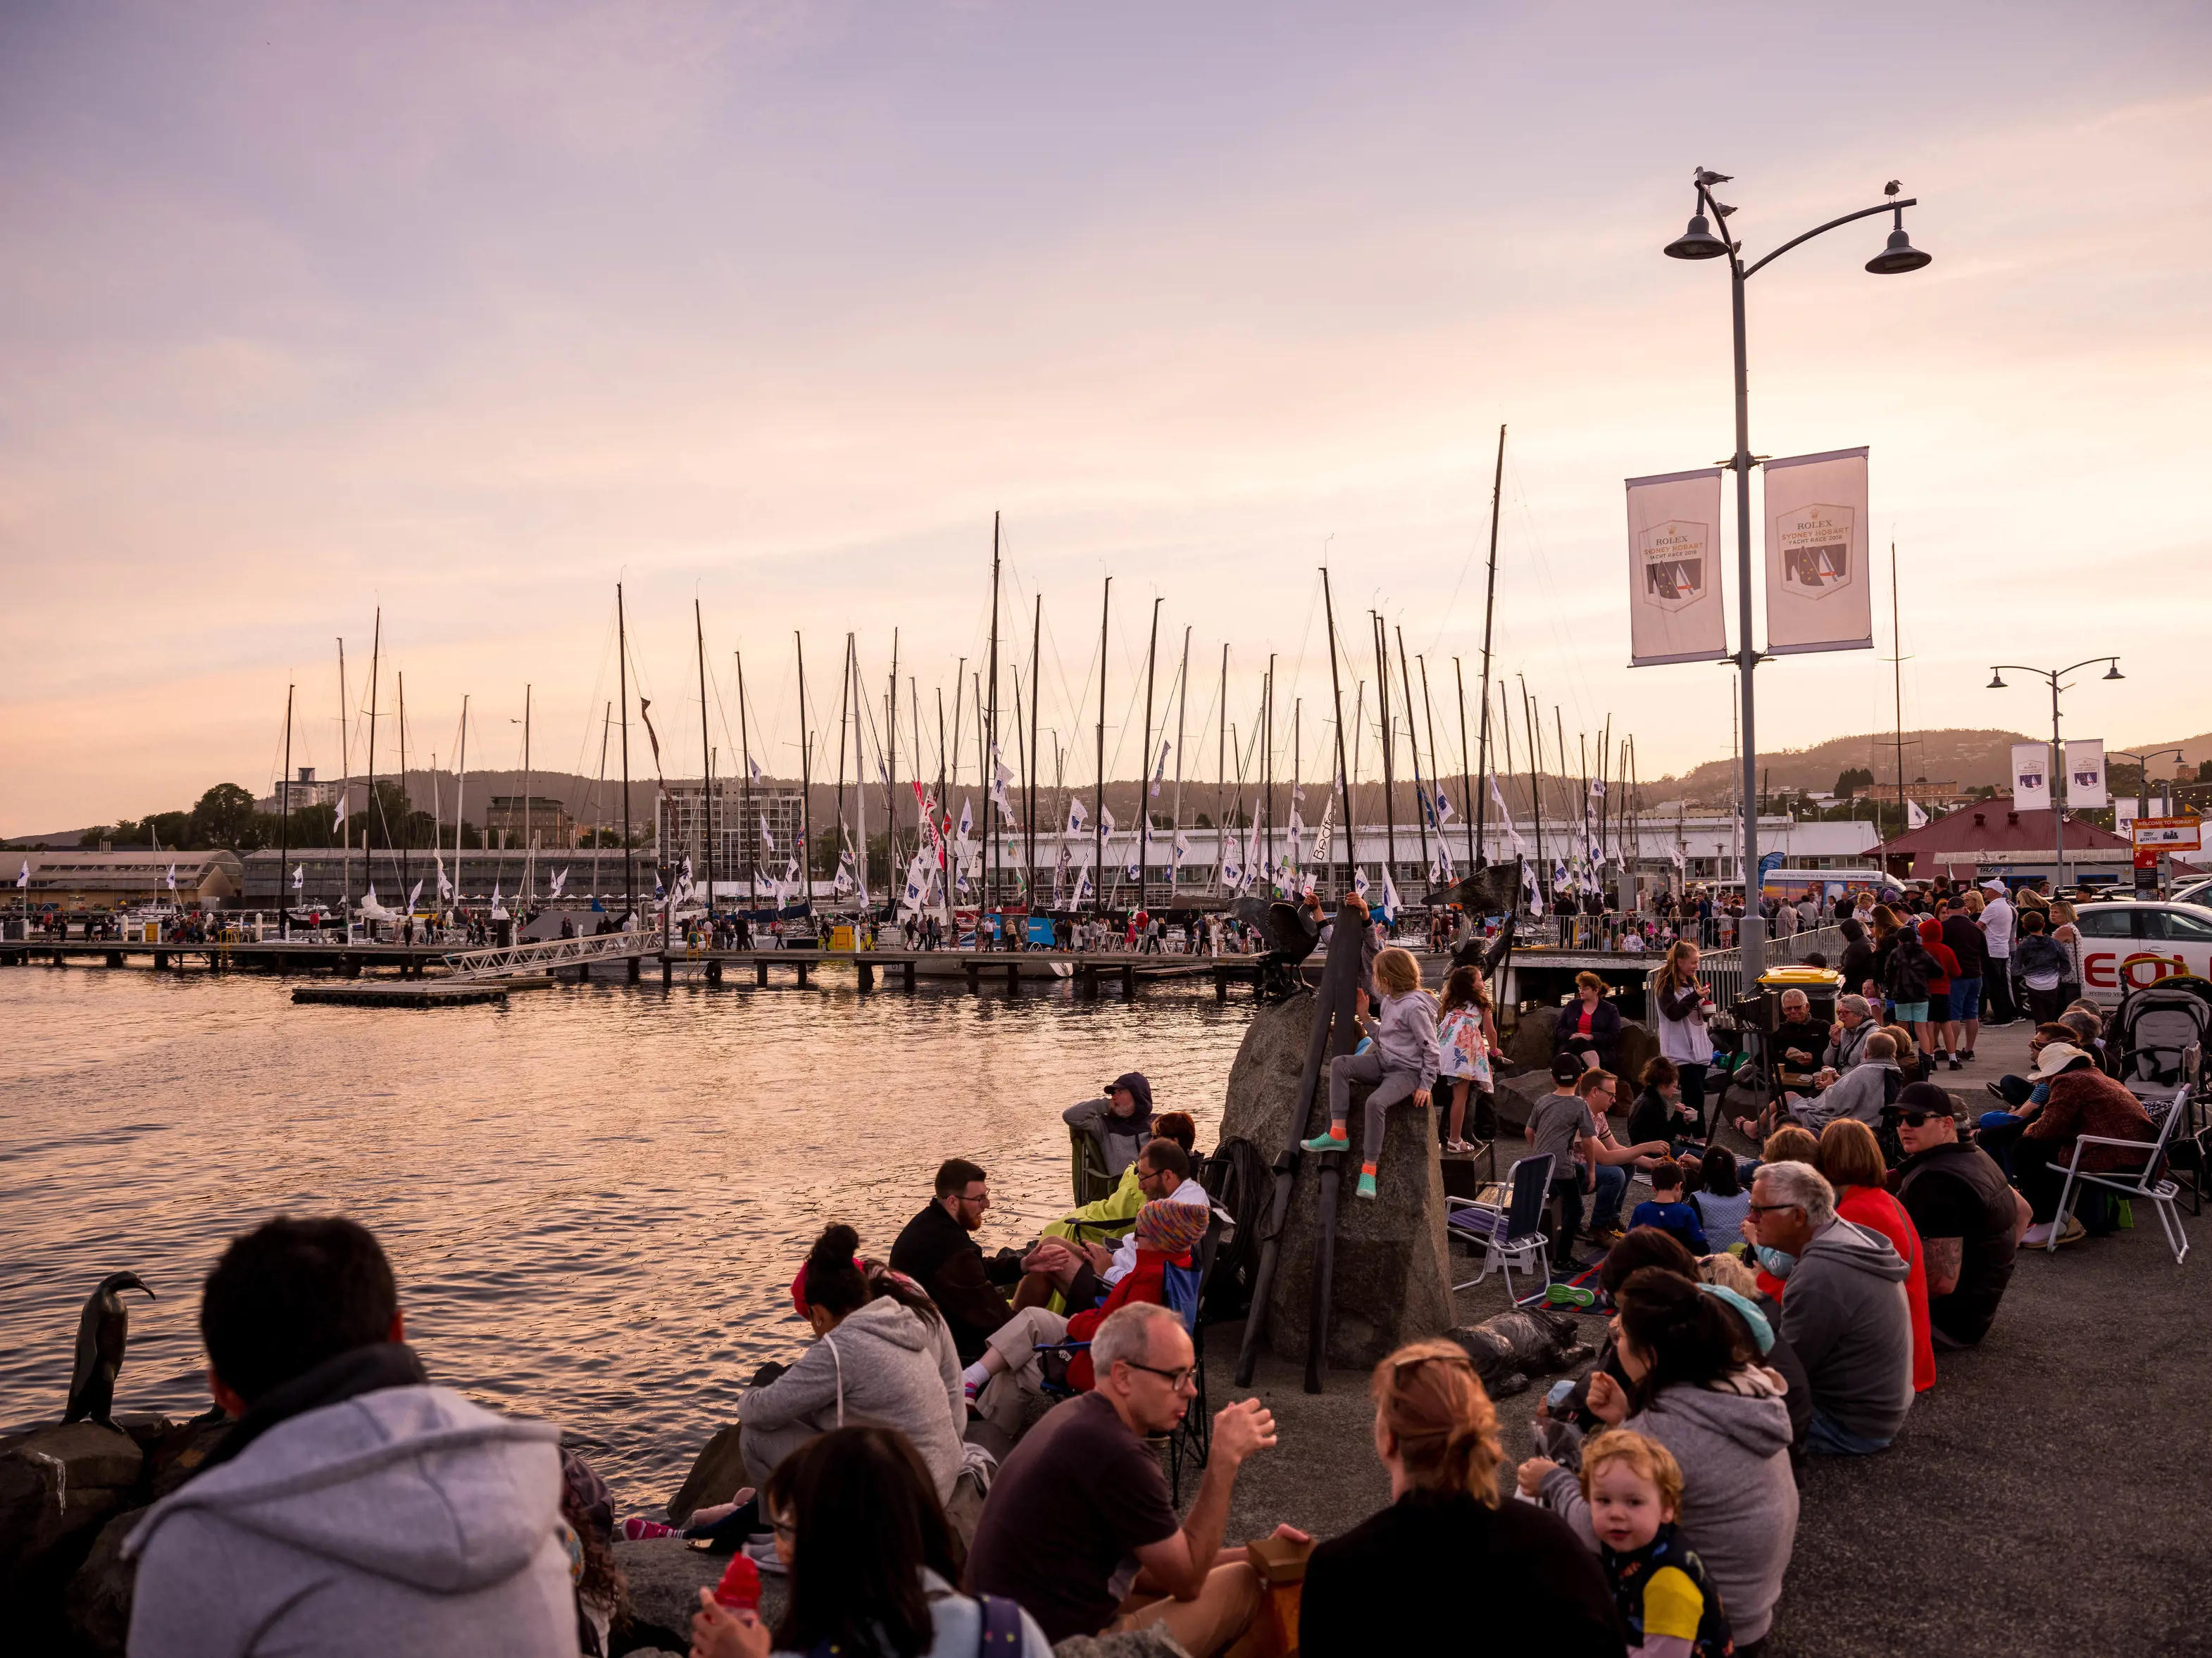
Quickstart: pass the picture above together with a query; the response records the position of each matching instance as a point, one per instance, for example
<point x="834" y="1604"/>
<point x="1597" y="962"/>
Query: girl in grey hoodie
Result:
<point x="886" y="1359"/>
<point x="1400" y="1062"/>
<point x="1695" y="1388"/>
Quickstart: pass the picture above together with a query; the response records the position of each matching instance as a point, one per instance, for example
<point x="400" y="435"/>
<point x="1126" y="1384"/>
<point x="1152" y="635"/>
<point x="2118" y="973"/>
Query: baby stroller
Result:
<point x="2159" y="1036"/>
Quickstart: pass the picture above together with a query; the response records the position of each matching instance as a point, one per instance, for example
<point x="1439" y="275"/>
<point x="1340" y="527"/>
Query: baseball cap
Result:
<point x="1993" y="885"/>
<point x="1924" y="1097"/>
<point x="1566" y="1068"/>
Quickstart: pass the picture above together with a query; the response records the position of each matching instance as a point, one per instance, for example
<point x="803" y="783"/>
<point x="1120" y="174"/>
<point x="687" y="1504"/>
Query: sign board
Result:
<point x="2167" y="834"/>
<point x="2031" y="777"/>
<point x="1817" y="593"/>
<point x="1674" y="611"/>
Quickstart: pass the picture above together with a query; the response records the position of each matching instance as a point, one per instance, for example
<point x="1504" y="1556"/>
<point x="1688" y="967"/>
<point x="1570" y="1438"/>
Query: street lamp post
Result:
<point x="1699" y="242"/>
<point x="2142" y="773"/>
<point x="2057" y="754"/>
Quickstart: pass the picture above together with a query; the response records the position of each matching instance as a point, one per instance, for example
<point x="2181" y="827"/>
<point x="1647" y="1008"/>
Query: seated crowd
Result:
<point x="964" y="1458"/>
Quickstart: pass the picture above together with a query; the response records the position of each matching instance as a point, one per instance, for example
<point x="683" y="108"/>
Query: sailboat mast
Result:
<point x="746" y="787"/>
<point x="1489" y="611"/>
<point x="1478" y="847"/>
<point x="284" y="833"/>
<point x="368" y="819"/>
<point x="1897" y="694"/>
<point x="1267" y="761"/>
<point x="1145" y="765"/>
<point x="1336" y="699"/>
<point x="621" y="673"/>
<point x="1382" y="712"/>
<point x="945" y="858"/>
<point x="844" y="707"/>
<point x="1414" y="743"/>
<point x="805" y="786"/>
<point x="405" y="810"/>
<point x="1439" y="798"/>
<point x="529" y="829"/>
<point x="1098" y="856"/>
<point x="598" y="806"/>
<point x="990" y="783"/>
<point x="860" y="788"/>
<point x="345" y="797"/>
<point x="1535" y="785"/>
<point x="461" y="790"/>
<point x="1221" y="774"/>
<point x="1183" y="708"/>
<point x="1036" y="699"/>
<point x="706" y="763"/>
<point x="891" y="775"/>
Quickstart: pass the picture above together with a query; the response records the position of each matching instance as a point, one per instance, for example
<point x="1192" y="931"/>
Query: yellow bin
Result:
<point x="840" y="938"/>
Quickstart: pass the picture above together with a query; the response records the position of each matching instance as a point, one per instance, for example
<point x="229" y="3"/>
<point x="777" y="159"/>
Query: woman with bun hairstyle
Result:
<point x="1696" y="1386"/>
<point x="882" y="1355"/>
<point x="1405" y="1580"/>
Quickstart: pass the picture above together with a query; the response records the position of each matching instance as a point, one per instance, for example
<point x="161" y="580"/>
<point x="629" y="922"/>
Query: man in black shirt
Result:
<point x="1964" y="935"/>
<point x="937" y="1252"/>
<point x="1967" y="1214"/>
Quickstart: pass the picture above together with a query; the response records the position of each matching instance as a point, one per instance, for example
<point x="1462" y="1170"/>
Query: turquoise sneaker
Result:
<point x="1326" y="1143"/>
<point x="1366" y="1188"/>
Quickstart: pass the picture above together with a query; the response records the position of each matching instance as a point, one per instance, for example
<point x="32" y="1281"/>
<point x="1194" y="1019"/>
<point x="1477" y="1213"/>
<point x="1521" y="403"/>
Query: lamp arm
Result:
<point x="2091" y="663"/>
<point x="1864" y="213"/>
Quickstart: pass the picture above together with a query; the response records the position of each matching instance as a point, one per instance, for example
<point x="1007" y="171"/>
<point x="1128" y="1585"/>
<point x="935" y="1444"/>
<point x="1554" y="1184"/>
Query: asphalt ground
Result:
<point x="2044" y="1497"/>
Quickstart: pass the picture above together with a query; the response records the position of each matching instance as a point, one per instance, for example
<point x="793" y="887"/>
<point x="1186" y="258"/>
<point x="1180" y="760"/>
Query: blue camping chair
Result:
<point x="1510" y="1234"/>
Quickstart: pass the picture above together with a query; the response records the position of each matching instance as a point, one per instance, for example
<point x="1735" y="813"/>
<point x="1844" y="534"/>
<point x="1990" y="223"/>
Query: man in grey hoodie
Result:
<point x="352" y="1509"/>
<point x="1845" y="1310"/>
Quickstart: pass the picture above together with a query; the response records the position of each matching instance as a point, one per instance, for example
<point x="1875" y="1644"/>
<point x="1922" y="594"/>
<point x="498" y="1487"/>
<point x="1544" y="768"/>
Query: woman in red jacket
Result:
<point x="1850" y="1157"/>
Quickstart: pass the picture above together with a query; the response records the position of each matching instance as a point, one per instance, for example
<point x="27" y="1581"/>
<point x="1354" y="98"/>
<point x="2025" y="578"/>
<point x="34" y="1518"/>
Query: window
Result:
<point x="2176" y="923"/>
<point x="2106" y="924"/>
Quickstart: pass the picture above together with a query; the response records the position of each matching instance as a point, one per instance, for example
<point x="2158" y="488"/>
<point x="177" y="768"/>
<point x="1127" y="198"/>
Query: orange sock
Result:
<point x="1366" y="1168"/>
<point x="1336" y="1132"/>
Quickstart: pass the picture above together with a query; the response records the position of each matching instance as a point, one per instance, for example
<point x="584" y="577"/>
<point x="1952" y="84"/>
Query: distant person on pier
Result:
<point x="937" y="1252"/>
<point x="354" y="1508"/>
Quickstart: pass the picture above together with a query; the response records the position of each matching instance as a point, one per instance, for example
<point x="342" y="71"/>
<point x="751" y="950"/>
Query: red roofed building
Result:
<point x="1988" y="838"/>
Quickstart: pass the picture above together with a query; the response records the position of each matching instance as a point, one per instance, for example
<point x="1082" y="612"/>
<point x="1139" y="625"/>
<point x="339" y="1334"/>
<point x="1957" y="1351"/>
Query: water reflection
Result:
<point x="594" y="1198"/>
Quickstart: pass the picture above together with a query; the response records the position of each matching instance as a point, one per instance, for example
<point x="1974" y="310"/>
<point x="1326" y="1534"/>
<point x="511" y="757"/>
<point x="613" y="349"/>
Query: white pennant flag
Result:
<point x="1359" y="880"/>
<point x="1075" y="815"/>
<point x="1529" y="886"/>
<point x="413" y="896"/>
<point x="23" y="878"/>
<point x="754" y="766"/>
<point x="300" y="876"/>
<point x="1181" y="848"/>
<point x="1389" y="899"/>
<point x="1106" y="817"/>
<point x="341" y="815"/>
<point x="1161" y="774"/>
<point x="554" y="887"/>
<point x="1914" y="817"/>
<point x="1444" y="812"/>
<point x="445" y="886"/>
<point x="968" y="820"/>
<point x="767" y="840"/>
<point x="173" y="878"/>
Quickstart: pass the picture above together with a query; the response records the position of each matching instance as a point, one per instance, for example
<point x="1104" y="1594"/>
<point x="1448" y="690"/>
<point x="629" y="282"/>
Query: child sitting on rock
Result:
<point x="1400" y="1061"/>
<point x="1634" y="1488"/>
<point x="1666" y="1210"/>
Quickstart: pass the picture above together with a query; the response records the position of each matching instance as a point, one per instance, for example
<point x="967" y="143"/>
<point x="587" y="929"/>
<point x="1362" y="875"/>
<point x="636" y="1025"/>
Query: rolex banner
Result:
<point x="1818" y="594"/>
<point x="2031" y="777"/>
<point x="2085" y="774"/>
<point x="1673" y="569"/>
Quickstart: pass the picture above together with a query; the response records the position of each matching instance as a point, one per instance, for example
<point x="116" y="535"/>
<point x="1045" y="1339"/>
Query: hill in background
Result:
<point x="1975" y="758"/>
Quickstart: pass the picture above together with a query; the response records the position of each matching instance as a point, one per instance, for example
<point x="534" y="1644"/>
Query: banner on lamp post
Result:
<point x="1673" y="569"/>
<point x="2085" y="774"/>
<point x="1818" y="594"/>
<point x="2031" y="777"/>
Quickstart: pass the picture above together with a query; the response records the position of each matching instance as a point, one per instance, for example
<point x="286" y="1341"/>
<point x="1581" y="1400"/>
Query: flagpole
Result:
<point x="529" y="829"/>
<point x="1267" y="761"/>
<point x="460" y="795"/>
<point x="1182" y="710"/>
<point x="1145" y="769"/>
<point x="1535" y="794"/>
<point x="1412" y="743"/>
<point x="805" y="785"/>
<point x="1036" y="701"/>
<point x="368" y="821"/>
<point x="860" y="795"/>
<point x="406" y="811"/>
<point x="1382" y="712"/>
<point x="598" y="811"/>
<point x="991" y="748"/>
<point x="1297" y="818"/>
<point x="1442" y="801"/>
<point x="891" y="774"/>
<point x="844" y="704"/>
<point x="1221" y="777"/>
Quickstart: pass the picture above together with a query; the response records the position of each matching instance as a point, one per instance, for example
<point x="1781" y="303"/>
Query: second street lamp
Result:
<point x="2057" y="771"/>
<point x="1698" y="241"/>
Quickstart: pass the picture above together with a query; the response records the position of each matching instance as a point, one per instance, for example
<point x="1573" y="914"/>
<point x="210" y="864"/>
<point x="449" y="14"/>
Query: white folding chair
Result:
<point x="2145" y="1184"/>
<point x="1511" y="1234"/>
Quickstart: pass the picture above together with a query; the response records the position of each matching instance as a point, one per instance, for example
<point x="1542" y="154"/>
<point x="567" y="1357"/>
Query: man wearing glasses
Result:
<point x="937" y="1251"/>
<point x="1079" y="1528"/>
<point x="1969" y="1218"/>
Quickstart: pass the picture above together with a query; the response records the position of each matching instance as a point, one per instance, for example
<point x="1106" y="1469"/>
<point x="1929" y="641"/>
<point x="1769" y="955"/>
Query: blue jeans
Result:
<point x="1965" y="999"/>
<point x="1605" y="1203"/>
<point x="1826" y="1437"/>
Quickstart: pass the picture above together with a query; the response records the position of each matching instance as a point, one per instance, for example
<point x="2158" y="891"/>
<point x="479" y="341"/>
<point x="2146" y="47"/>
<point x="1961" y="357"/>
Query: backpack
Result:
<point x="1238" y="1180"/>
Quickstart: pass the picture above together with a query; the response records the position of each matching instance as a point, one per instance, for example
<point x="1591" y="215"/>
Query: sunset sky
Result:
<point x="472" y="310"/>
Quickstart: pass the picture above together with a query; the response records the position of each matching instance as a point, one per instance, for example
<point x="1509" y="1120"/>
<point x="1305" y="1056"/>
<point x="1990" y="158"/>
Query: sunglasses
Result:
<point x="1771" y="1208"/>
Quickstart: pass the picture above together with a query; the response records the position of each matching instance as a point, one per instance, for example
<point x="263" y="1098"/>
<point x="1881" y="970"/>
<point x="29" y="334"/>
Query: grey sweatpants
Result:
<point x="1390" y="1087"/>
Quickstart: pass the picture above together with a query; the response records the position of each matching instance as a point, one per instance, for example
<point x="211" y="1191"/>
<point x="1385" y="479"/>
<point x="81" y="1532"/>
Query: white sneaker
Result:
<point x="2036" y="1237"/>
<point x="760" y="1549"/>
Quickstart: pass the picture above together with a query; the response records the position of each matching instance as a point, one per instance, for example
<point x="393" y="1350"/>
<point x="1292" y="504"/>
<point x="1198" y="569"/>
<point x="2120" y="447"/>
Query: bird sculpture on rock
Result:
<point x="102" y="1332"/>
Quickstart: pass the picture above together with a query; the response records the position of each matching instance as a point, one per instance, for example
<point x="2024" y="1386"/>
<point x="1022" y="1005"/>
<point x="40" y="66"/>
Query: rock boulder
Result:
<point x="717" y="1475"/>
<point x="1391" y="1282"/>
<point x="58" y="1487"/>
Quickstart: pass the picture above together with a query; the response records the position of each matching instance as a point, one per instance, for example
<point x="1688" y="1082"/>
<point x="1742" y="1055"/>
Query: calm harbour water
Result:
<point x="594" y="1198"/>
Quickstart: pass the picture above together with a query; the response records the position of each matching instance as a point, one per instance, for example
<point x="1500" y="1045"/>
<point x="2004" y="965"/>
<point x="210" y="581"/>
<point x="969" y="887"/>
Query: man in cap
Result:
<point x="1997" y="941"/>
<point x="1968" y="1216"/>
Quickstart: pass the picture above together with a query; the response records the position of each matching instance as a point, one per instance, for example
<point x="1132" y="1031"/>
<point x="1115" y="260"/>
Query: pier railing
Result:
<point x="517" y="959"/>
<point x="1723" y="969"/>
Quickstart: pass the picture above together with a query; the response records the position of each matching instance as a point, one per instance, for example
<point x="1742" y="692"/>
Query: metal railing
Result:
<point x="514" y="959"/>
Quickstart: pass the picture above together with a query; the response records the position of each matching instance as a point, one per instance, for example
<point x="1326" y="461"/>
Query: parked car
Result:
<point x="2127" y="945"/>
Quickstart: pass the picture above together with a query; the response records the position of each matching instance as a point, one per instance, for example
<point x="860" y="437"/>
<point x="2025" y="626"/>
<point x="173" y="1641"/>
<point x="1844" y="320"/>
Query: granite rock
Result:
<point x="58" y="1487"/>
<point x="665" y="1575"/>
<point x="1392" y="1280"/>
<point x="96" y="1604"/>
<point x="717" y="1475"/>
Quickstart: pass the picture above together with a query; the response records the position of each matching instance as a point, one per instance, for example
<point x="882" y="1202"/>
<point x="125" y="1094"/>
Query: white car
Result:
<point x="2125" y="946"/>
<point x="2196" y="891"/>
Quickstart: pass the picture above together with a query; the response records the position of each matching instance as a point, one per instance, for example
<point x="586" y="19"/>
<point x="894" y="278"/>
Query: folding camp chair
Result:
<point x="2149" y="1184"/>
<point x="1512" y="1233"/>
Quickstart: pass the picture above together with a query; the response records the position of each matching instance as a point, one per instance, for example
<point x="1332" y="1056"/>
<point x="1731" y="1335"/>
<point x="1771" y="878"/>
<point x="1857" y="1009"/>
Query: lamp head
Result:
<point x="1900" y="255"/>
<point x="1996" y="681"/>
<point x="1698" y="242"/>
<point x="2113" y="672"/>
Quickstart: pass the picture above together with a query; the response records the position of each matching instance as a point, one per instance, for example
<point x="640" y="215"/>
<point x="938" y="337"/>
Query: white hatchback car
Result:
<point x="2127" y="945"/>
